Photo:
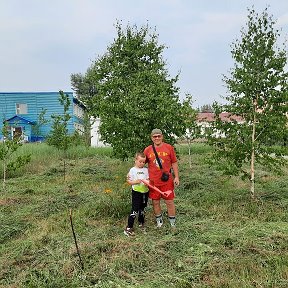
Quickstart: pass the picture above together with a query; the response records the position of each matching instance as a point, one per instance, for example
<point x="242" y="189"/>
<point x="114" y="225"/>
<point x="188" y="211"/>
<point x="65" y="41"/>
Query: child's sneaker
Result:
<point x="129" y="231"/>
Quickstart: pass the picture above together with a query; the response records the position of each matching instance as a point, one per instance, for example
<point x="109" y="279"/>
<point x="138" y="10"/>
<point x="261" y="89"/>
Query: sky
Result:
<point x="44" y="42"/>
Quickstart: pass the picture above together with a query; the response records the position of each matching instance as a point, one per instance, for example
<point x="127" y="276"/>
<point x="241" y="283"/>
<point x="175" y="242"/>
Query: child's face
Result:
<point x="140" y="162"/>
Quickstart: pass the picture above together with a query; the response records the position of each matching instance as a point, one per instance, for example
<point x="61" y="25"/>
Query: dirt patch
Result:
<point x="9" y="201"/>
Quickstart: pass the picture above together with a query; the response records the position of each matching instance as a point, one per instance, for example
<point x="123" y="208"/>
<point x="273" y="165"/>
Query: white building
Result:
<point x="204" y="120"/>
<point x="95" y="135"/>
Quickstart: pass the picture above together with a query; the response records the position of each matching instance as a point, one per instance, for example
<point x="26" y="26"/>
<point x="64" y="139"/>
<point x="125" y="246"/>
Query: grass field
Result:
<point x="223" y="239"/>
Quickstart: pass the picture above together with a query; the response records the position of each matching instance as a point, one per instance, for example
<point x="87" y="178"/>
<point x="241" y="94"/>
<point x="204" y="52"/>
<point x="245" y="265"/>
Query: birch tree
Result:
<point x="257" y="87"/>
<point x="58" y="136"/>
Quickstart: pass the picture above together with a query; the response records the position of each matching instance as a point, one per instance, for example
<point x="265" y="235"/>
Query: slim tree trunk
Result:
<point x="4" y="175"/>
<point x="189" y="150"/>
<point x="252" y="167"/>
<point x="252" y="172"/>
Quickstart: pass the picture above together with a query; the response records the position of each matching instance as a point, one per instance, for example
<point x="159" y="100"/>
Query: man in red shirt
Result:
<point x="168" y="160"/>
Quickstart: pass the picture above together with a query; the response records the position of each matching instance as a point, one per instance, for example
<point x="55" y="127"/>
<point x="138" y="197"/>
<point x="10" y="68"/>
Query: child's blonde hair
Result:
<point x="140" y="154"/>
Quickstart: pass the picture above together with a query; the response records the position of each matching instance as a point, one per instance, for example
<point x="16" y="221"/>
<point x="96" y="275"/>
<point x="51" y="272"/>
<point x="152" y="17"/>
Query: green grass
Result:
<point x="223" y="239"/>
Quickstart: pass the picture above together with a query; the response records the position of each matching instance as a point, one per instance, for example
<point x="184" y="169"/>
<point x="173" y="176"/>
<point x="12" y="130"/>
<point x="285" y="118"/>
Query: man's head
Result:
<point x="157" y="136"/>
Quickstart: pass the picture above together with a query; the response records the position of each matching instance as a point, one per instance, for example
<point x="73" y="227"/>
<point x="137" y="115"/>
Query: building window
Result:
<point x="79" y="128"/>
<point x="21" y="108"/>
<point x="78" y="111"/>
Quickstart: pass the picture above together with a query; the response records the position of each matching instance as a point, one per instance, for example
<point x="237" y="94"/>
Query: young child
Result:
<point x="139" y="192"/>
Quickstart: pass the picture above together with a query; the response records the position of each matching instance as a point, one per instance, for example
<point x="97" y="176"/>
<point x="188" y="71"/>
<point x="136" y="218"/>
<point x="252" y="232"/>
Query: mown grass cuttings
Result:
<point x="223" y="239"/>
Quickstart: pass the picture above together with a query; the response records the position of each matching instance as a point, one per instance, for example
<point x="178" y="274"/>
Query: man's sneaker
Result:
<point x="159" y="220"/>
<point x="129" y="231"/>
<point x="159" y="223"/>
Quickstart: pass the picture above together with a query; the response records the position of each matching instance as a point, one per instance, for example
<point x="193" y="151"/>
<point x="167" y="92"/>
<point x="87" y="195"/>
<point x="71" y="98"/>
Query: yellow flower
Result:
<point x="108" y="190"/>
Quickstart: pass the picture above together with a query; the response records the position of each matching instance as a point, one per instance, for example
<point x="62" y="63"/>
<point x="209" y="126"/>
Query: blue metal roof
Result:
<point x="19" y="118"/>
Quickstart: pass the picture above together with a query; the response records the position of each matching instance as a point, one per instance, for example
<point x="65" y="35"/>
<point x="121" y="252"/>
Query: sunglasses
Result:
<point x="156" y="136"/>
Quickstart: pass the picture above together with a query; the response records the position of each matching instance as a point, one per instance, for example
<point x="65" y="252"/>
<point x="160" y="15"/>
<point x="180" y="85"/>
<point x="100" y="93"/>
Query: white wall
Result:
<point x="95" y="136"/>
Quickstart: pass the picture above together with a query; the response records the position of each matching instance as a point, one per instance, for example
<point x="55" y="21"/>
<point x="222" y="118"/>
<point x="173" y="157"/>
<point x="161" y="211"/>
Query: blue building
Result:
<point x="21" y="112"/>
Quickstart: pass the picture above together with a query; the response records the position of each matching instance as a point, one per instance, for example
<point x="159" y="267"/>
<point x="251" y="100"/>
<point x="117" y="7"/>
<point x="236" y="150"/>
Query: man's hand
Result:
<point x="176" y="181"/>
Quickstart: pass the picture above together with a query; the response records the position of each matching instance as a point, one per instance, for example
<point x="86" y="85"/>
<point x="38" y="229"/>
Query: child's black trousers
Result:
<point x="139" y="202"/>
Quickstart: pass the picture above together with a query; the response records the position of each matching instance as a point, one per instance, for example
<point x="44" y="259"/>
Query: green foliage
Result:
<point x="258" y="94"/>
<point x="19" y="162"/>
<point x="77" y="139"/>
<point x="206" y="108"/>
<point x="130" y="89"/>
<point x="58" y="136"/>
<point x="192" y="129"/>
<point x="39" y="123"/>
<point x="7" y="150"/>
<point x="87" y="130"/>
<point x="190" y="116"/>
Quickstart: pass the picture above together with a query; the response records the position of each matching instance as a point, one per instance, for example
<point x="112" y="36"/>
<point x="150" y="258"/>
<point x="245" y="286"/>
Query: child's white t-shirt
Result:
<point x="136" y="173"/>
